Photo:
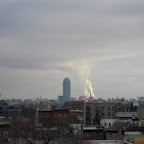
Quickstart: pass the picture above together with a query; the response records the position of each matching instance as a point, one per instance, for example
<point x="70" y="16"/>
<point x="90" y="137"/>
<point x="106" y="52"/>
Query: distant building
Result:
<point x="74" y="105"/>
<point x="42" y="106"/>
<point x="60" y="99"/>
<point x="4" y="130"/>
<point x="140" y="113"/>
<point x="73" y="116"/>
<point x="28" y="102"/>
<point x="73" y="99"/>
<point x="137" y="122"/>
<point x="93" y="133"/>
<point x="107" y="122"/>
<point x="126" y="115"/>
<point x="66" y="90"/>
<point x="3" y="103"/>
<point x="10" y="111"/>
<point x="114" y="132"/>
<point x="94" y="112"/>
<point x="141" y="102"/>
<point x="83" y="98"/>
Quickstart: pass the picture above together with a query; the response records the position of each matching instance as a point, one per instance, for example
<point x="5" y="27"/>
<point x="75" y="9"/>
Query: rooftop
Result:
<point x="116" y="127"/>
<point x="91" y="128"/>
<point x="107" y="142"/>
<point x="133" y="133"/>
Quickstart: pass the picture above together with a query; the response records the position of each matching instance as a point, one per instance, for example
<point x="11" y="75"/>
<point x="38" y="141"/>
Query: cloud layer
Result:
<point x="42" y="42"/>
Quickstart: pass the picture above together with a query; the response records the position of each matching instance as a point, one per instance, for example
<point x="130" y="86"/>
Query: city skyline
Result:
<point x="97" y="44"/>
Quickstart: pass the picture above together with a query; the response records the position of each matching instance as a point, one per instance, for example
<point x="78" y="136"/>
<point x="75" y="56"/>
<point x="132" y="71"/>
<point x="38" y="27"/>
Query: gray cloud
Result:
<point x="44" y="37"/>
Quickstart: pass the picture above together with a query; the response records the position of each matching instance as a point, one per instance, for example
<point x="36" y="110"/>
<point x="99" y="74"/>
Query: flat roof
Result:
<point x="133" y="133"/>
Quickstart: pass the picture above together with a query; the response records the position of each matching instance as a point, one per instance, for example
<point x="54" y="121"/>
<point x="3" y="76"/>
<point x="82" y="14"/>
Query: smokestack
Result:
<point x="90" y="94"/>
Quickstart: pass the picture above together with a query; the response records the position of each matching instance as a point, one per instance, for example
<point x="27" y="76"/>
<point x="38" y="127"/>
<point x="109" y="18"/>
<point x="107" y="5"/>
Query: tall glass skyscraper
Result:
<point x="66" y="90"/>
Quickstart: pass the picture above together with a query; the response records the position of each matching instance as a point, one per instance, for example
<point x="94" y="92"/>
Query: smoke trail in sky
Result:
<point x="83" y="73"/>
<point x="82" y="70"/>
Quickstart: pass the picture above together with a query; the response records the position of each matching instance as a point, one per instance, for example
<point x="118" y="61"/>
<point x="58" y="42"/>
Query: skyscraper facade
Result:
<point x="66" y="90"/>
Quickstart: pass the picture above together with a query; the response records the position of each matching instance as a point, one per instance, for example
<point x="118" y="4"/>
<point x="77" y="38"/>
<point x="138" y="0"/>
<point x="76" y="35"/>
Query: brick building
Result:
<point x="4" y="132"/>
<point x="93" y="133"/>
<point x="61" y="115"/>
<point x="74" y="105"/>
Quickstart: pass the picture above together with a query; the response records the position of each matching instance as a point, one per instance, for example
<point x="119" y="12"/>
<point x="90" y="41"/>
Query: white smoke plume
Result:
<point x="83" y="66"/>
<point x="82" y="70"/>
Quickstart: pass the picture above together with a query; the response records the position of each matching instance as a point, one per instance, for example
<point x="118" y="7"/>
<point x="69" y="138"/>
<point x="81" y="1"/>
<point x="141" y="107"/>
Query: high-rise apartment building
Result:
<point x="66" y="90"/>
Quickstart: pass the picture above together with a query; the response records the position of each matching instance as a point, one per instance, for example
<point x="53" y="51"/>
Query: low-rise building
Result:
<point x="42" y="106"/>
<point x="126" y="115"/>
<point x="137" y="122"/>
<point x="135" y="137"/>
<point x="4" y="132"/>
<point x="10" y="111"/>
<point x="74" y="105"/>
<point x="107" y="122"/>
<point x="114" y="132"/>
<point x="61" y="115"/>
<point x="93" y="133"/>
<point x="60" y="99"/>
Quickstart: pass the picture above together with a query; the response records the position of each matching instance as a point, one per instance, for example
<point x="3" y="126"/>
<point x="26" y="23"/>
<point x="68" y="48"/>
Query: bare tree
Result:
<point x="26" y="130"/>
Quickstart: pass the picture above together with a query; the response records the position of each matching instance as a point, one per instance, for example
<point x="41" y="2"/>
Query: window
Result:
<point x="87" y="119"/>
<point x="60" y="115"/>
<point x="105" y="124"/>
<point x="99" y="134"/>
<point x="67" y="115"/>
<point x="109" y="124"/>
<point x="63" y="115"/>
<point x="86" y="135"/>
<point x="92" y="134"/>
<point x="102" y="108"/>
<point x="113" y="114"/>
<point x="111" y="134"/>
<point x="30" y="133"/>
<point x="102" y="114"/>
<point x="5" y="133"/>
<point x="87" y="108"/>
<point x="109" y="114"/>
<point x="108" y="108"/>
<point x="97" y="108"/>
<point x="132" y="140"/>
<point x="128" y="139"/>
<point x="14" y="133"/>
<point x="55" y="115"/>
<point x="23" y="133"/>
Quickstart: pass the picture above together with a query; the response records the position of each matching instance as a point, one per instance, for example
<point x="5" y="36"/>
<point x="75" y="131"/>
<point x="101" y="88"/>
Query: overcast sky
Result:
<point x="44" y="41"/>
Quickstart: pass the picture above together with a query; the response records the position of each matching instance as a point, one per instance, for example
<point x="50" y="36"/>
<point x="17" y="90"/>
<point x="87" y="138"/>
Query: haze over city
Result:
<point x="96" y="44"/>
